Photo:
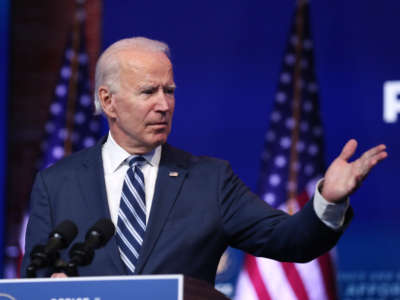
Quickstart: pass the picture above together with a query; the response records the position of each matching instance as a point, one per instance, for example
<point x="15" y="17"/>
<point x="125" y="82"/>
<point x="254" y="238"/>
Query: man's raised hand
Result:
<point x="343" y="177"/>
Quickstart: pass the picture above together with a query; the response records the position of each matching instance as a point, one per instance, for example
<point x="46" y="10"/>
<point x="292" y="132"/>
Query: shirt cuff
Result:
<point x="331" y="214"/>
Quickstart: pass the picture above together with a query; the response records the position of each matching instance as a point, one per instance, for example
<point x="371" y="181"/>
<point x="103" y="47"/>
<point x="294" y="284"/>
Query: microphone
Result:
<point x="82" y="254"/>
<point x="44" y="255"/>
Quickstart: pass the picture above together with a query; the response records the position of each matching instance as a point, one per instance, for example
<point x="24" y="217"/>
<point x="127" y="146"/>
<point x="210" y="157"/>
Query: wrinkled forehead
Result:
<point x="150" y="61"/>
<point x="139" y="68"/>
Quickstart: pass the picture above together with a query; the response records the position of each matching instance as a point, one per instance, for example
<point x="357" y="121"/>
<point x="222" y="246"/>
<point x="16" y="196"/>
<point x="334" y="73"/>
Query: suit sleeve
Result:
<point x="40" y="223"/>
<point x="250" y="224"/>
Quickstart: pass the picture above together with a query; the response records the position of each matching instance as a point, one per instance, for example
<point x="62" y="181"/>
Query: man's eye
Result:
<point x="148" y="91"/>
<point x="170" y="91"/>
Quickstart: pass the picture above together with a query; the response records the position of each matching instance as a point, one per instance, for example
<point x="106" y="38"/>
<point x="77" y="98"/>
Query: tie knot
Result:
<point x="136" y="161"/>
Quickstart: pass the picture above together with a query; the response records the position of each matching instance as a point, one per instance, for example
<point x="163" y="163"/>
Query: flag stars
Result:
<point x="69" y="53"/>
<point x="62" y="134"/>
<point x="89" y="141"/>
<point x="280" y="161"/>
<point x="83" y="58"/>
<point x="290" y="123"/>
<point x="300" y="146"/>
<point x="65" y="72"/>
<point x="94" y="126"/>
<point x="281" y="97"/>
<point x="85" y="100"/>
<point x="313" y="149"/>
<point x="309" y="169"/>
<point x="308" y="106"/>
<point x="55" y="108"/>
<point x="285" y="142"/>
<point x="285" y="78"/>
<point x="290" y="59"/>
<point x="58" y="152"/>
<point x="302" y="132"/>
<point x="61" y="90"/>
<point x="56" y="128"/>
<point x="80" y="117"/>
<point x="276" y="116"/>
<point x="270" y="136"/>
<point x="274" y="180"/>
<point x="269" y="198"/>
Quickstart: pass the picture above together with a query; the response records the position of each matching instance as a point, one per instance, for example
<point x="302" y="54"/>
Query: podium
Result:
<point x="146" y="287"/>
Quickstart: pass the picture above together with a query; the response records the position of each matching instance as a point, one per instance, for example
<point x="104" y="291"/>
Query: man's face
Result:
<point x="143" y="105"/>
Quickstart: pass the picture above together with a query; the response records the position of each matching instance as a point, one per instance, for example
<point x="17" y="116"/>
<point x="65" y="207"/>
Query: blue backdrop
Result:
<point x="227" y="57"/>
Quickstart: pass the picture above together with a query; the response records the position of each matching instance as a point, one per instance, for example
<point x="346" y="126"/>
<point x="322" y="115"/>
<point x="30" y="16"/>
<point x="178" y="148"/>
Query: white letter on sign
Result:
<point x="391" y="101"/>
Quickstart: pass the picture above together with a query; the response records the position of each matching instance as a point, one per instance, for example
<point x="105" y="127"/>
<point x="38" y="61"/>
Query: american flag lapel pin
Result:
<point x="173" y="174"/>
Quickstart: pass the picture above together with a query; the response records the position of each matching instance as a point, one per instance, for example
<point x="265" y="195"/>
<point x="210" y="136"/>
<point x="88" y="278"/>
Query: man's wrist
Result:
<point x="331" y="214"/>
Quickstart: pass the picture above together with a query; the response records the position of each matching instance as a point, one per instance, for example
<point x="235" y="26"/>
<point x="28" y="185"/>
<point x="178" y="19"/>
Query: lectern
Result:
<point x="146" y="287"/>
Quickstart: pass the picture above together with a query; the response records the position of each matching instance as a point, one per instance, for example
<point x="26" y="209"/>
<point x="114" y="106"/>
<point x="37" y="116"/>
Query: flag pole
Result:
<point x="72" y="86"/>
<point x="296" y="115"/>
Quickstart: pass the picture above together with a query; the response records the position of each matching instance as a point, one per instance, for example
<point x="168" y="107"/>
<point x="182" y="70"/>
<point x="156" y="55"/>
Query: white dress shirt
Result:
<point x="332" y="214"/>
<point x="115" y="167"/>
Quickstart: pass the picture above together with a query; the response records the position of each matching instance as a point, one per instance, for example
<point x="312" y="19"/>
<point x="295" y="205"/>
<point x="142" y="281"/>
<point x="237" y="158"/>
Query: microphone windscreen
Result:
<point x="66" y="231"/>
<point x="104" y="228"/>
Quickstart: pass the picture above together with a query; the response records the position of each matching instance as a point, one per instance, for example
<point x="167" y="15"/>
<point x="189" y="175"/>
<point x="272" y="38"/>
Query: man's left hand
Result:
<point x="343" y="177"/>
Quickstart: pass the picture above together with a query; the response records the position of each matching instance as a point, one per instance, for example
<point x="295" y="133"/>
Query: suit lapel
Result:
<point x="171" y="175"/>
<point x="91" y="180"/>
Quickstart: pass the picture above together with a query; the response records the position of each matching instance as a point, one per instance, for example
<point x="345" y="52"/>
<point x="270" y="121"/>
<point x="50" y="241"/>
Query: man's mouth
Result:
<point x="158" y="125"/>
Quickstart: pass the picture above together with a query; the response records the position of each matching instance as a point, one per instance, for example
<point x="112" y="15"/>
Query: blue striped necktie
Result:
<point x="132" y="214"/>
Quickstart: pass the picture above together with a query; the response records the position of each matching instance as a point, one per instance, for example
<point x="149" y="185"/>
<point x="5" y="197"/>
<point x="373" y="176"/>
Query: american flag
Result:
<point x="291" y="164"/>
<point x="71" y="125"/>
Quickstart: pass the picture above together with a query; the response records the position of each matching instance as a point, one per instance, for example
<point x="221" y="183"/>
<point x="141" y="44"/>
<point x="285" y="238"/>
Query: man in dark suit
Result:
<point x="183" y="210"/>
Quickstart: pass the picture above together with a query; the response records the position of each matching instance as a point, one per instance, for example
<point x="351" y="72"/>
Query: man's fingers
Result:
<point x="371" y="158"/>
<point x="375" y="155"/>
<point x="377" y="158"/>
<point x="374" y="151"/>
<point x="348" y="149"/>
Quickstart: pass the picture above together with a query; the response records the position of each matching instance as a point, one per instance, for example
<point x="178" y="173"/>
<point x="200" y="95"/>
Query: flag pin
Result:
<point x="173" y="174"/>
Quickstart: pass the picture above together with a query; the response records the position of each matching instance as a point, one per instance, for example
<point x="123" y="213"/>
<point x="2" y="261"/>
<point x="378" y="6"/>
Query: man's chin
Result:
<point x="161" y="140"/>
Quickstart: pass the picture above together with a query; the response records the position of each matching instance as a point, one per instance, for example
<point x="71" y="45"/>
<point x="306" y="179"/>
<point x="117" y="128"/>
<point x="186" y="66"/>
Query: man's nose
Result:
<point x="163" y="102"/>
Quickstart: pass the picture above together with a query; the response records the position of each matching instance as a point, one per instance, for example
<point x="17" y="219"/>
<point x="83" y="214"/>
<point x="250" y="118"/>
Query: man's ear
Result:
<point x="106" y="101"/>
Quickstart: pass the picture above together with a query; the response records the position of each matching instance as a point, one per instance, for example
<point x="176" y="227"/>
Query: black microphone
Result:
<point x="44" y="255"/>
<point x="82" y="254"/>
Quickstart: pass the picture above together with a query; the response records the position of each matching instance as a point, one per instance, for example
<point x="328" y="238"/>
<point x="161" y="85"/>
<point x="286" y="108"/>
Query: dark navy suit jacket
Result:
<point x="194" y="216"/>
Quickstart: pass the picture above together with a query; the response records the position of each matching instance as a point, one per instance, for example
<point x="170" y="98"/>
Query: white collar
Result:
<point x="117" y="155"/>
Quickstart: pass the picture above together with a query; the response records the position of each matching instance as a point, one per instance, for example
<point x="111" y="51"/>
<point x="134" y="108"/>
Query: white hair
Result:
<point x="108" y="65"/>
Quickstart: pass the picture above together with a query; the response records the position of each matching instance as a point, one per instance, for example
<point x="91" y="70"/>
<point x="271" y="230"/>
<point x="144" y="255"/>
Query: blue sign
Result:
<point x="166" y="287"/>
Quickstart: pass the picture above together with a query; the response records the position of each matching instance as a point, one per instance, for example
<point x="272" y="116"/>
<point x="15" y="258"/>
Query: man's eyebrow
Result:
<point x="147" y="85"/>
